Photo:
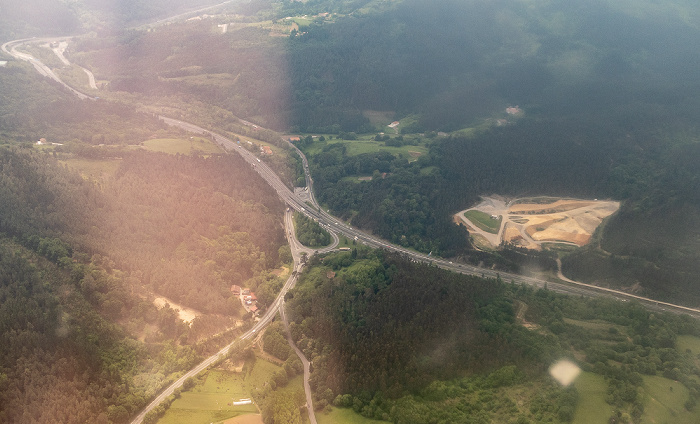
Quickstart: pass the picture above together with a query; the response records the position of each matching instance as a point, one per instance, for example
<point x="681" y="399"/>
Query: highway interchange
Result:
<point x="334" y="226"/>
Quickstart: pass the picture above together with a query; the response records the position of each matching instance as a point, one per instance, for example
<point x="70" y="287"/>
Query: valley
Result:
<point x="197" y="138"/>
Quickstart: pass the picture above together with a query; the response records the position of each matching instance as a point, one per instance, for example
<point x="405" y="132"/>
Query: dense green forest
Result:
<point x="410" y="343"/>
<point x="620" y="125"/>
<point x="60" y="359"/>
<point x="109" y="249"/>
<point x="83" y="255"/>
<point x="309" y="233"/>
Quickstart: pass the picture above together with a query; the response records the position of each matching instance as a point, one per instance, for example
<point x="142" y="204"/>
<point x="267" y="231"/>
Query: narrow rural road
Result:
<point x="307" y="368"/>
<point x="297" y="249"/>
<point x="270" y="314"/>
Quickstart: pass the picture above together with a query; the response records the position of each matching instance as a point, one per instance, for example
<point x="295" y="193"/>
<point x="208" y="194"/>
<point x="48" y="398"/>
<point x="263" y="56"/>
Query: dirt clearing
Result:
<point x="184" y="313"/>
<point x="530" y="222"/>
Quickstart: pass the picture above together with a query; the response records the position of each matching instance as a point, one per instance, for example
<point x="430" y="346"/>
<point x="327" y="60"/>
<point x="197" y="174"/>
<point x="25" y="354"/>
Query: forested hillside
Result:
<point x="183" y="227"/>
<point x="84" y="254"/>
<point x="410" y="343"/>
<point x="33" y="107"/>
<point x="62" y="345"/>
<point x="60" y="361"/>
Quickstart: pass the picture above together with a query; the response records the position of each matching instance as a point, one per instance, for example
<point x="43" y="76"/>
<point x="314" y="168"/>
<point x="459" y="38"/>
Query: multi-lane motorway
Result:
<point x="335" y="226"/>
<point x="11" y="48"/>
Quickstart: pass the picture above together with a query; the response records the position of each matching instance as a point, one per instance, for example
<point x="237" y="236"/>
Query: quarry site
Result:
<point x="532" y="221"/>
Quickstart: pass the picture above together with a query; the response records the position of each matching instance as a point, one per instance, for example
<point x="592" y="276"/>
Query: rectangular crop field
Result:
<point x="368" y="145"/>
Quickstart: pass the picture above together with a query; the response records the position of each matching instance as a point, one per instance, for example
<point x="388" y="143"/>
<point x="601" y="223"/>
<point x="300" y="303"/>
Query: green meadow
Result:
<point x="182" y="146"/>
<point x="665" y="402"/>
<point x="211" y="400"/>
<point x="483" y="221"/>
<point x="367" y="144"/>
<point x="591" y="406"/>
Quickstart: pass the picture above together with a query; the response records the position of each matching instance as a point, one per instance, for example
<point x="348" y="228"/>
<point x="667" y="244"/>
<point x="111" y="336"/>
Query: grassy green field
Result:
<point x="484" y="221"/>
<point x="366" y="144"/>
<point x="344" y="416"/>
<point x="356" y="179"/>
<point x="379" y="119"/>
<point x="182" y="146"/>
<point x="664" y="402"/>
<point x="75" y="77"/>
<point x="428" y="170"/>
<point x="260" y="374"/>
<point x="686" y="342"/>
<point x="222" y="80"/>
<point x="345" y="242"/>
<point x="302" y="21"/>
<point x="591" y="407"/>
<point x="211" y="400"/>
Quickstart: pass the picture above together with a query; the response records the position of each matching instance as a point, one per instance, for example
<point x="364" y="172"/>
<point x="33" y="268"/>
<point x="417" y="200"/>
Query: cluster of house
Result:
<point x="248" y="298"/>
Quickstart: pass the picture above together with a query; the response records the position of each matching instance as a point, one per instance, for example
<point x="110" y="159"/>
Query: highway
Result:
<point x="11" y="49"/>
<point x="336" y="226"/>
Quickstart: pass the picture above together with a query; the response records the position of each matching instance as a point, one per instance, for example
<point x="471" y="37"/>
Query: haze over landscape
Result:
<point x="349" y="211"/>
